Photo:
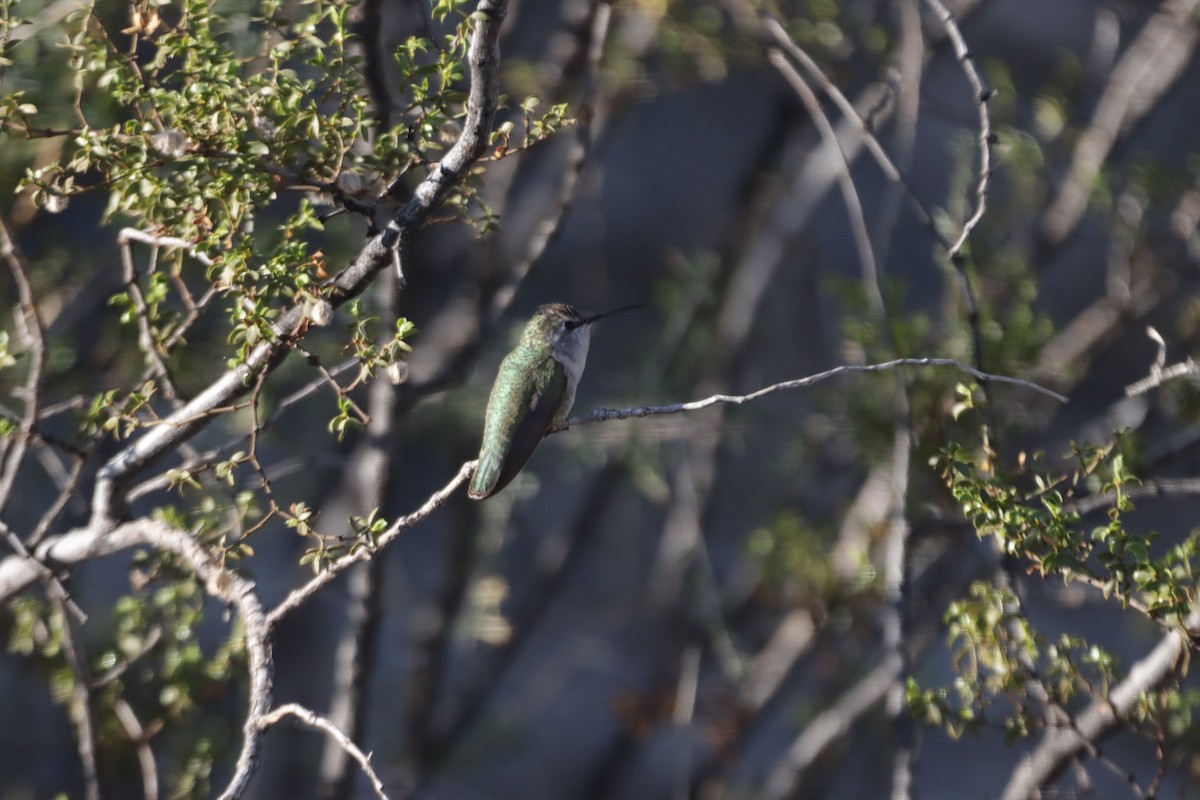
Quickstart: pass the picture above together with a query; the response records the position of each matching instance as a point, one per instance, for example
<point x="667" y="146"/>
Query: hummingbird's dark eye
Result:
<point x="570" y="325"/>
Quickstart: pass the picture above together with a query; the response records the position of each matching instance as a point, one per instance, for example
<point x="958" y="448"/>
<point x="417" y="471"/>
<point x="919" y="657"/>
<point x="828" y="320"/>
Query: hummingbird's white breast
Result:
<point x="571" y="350"/>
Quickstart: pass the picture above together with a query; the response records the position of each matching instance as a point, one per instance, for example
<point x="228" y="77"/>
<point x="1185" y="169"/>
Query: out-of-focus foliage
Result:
<point x="240" y="144"/>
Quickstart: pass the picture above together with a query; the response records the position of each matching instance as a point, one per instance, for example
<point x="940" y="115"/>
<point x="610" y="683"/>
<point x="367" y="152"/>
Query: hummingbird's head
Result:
<point x="565" y="330"/>
<point x="562" y="327"/>
<point x="565" y="327"/>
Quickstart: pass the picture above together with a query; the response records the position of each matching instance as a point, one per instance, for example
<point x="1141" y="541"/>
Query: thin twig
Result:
<point x="342" y="392"/>
<point x="153" y="637"/>
<point x="204" y="460"/>
<point x="1158" y="377"/>
<point x="81" y="706"/>
<point x="780" y="38"/>
<point x="315" y="720"/>
<point x="1161" y="487"/>
<point x="66" y="494"/>
<point x="141" y="742"/>
<point x="150" y="348"/>
<point x="967" y="61"/>
<point x="354" y="658"/>
<point x="297" y="596"/>
<point x="834" y="153"/>
<point x="1159" y="372"/>
<point x="193" y="307"/>
<point x="606" y="414"/>
<point x="12" y="451"/>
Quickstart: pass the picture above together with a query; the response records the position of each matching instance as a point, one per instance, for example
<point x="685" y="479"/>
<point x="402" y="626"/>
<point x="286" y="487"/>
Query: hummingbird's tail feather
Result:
<point x="487" y="474"/>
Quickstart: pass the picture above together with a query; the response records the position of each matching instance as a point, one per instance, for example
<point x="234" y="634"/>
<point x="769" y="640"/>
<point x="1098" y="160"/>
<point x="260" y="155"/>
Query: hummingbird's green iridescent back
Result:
<point x="526" y="400"/>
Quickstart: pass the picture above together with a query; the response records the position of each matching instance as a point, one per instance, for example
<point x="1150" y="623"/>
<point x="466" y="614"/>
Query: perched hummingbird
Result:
<point x="533" y="393"/>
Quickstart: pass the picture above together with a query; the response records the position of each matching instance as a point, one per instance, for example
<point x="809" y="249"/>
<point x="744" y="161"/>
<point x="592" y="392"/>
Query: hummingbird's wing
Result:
<point x="519" y="415"/>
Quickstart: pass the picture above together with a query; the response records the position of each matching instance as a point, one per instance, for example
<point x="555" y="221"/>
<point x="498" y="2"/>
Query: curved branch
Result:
<point x="97" y="541"/>
<point x="314" y="720"/>
<point x="836" y="155"/>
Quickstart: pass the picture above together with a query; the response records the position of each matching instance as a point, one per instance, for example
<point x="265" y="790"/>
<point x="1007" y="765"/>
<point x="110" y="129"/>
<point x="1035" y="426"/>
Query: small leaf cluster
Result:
<point x="222" y="517"/>
<point x="364" y="533"/>
<point x="120" y="414"/>
<point x="373" y="354"/>
<point x="212" y="125"/>
<point x="435" y="109"/>
<point x="1007" y="674"/>
<point x="210" y="121"/>
<point x="1032" y="515"/>
<point x="172" y="612"/>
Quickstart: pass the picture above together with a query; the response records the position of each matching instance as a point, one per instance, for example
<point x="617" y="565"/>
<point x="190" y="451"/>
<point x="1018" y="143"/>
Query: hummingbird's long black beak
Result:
<point x="602" y="315"/>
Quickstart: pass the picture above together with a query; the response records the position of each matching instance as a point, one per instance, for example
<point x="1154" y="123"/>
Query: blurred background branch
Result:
<point x="235" y="431"/>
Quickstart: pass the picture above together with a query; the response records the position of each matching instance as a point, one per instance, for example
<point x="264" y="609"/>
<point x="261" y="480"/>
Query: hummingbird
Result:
<point x="533" y="392"/>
